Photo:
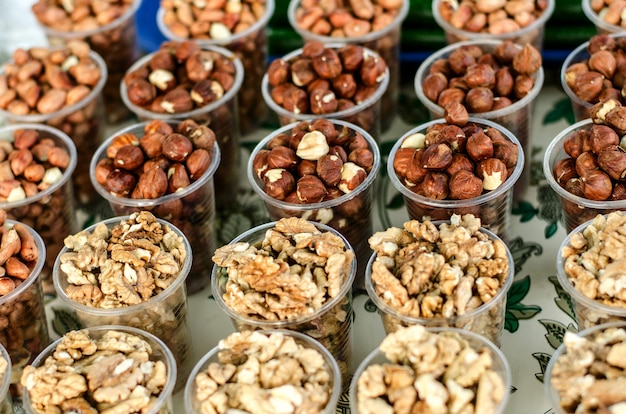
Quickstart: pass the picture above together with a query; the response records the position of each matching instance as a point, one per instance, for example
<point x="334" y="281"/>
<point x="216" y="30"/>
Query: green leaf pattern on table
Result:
<point x="515" y="309"/>
<point x="543" y="359"/>
<point x="563" y="300"/>
<point x="65" y="320"/>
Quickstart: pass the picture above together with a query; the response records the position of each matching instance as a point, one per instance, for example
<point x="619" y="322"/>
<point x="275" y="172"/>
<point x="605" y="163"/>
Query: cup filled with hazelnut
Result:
<point x="334" y="81"/>
<point x="59" y="87"/>
<point x="321" y="170"/>
<point x="291" y="274"/>
<point x="590" y="73"/>
<point x="6" y="402"/>
<point x="109" y="27"/>
<point x="374" y="24"/>
<point x="182" y="80"/>
<point x="37" y="187"/>
<point x="444" y="168"/>
<point x="522" y="22"/>
<point x="140" y="283"/>
<point x="168" y="169"/>
<point x="585" y="165"/>
<point x="606" y="15"/>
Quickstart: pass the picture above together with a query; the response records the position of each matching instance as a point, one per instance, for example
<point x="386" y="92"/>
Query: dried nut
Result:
<point x="596" y="185"/>
<point x="464" y="185"/>
<point x="152" y="184"/>
<point x="588" y="85"/>
<point x="437" y="157"/>
<point x="456" y="114"/>
<point x="479" y="146"/>
<point x="119" y="141"/>
<point x="281" y="157"/>
<point x="278" y="183"/>
<point x="433" y="85"/>
<point x="435" y="185"/>
<point x="565" y="170"/>
<point x="602" y="136"/>
<point x="177" y="147"/>
<point x="480" y="75"/>
<point x="598" y="111"/>
<point x="612" y="160"/>
<point x="327" y="64"/>
<point x="415" y="171"/>
<point x="177" y="178"/>
<point x="603" y="62"/>
<point x="176" y="101"/>
<point x="351" y="177"/>
<point x="493" y="173"/>
<point x="310" y="189"/>
<point x="103" y="169"/>
<point x="260" y="164"/>
<point x="527" y="61"/>
<point x="128" y="157"/>
<point x="329" y="169"/>
<point x="402" y="160"/>
<point x="198" y="163"/>
<point x="362" y="157"/>
<point x="616" y="118"/>
<point x="152" y="144"/>
<point x="120" y="182"/>
<point x="479" y="100"/>
<point x="312" y="146"/>
<point x="585" y="162"/>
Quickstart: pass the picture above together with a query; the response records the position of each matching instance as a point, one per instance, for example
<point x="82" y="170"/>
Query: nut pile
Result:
<point x="264" y="374"/>
<point x="324" y="80"/>
<point x="116" y="373"/>
<point x="495" y="17"/>
<point x="589" y="375"/>
<point x="79" y="16"/>
<point x="425" y="271"/>
<point x="18" y="255"/>
<point x="612" y="12"/>
<point x="431" y="372"/>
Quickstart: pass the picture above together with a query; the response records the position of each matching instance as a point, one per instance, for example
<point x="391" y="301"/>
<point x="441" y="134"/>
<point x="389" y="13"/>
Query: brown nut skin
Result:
<point x="456" y="114"/>
<point x="401" y="161"/>
<point x="459" y="162"/>
<point x="177" y="178"/>
<point x="459" y="60"/>
<point x="128" y="157"/>
<point x="596" y="185"/>
<point x="574" y="186"/>
<point x="310" y="189"/>
<point x="415" y="171"/>
<point x="58" y="157"/>
<point x="437" y="157"/>
<point x="351" y="57"/>
<point x="506" y="151"/>
<point x="329" y="169"/>
<point x="435" y="185"/>
<point x="588" y="85"/>
<point x="602" y="136"/>
<point x="119" y="141"/>
<point x="612" y="160"/>
<point x="479" y="146"/>
<point x="260" y="163"/>
<point x="177" y="147"/>
<point x="527" y="61"/>
<point x="603" y="62"/>
<point x="198" y="163"/>
<point x="451" y="95"/>
<point x="480" y="75"/>
<point x="152" y="144"/>
<point x="327" y="64"/>
<point x="564" y="170"/>
<point x="433" y="84"/>
<point x="619" y="192"/>
<point x="503" y="82"/>
<point x="278" y="183"/>
<point x="152" y="184"/>
<point x="120" y="182"/>
<point x="362" y="157"/>
<point x="281" y="157"/>
<point x="103" y="169"/>
<point x="493" y="172"/>
<point x="479" y="100"/>
<point x="585" y="162"/>
<point x="574" y="143"/>
<point x="464" y="185"/>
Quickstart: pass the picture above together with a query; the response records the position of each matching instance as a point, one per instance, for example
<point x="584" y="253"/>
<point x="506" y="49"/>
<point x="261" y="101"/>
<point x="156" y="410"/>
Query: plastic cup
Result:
<point x="349" y="214"/>
<point x="50" y="212"/>
<point x="601" y="25"/>
<point x="533" y="33"/>
<point x="192" y="210"/>
<point x="486" y="320"/>
<point x="331" y="324"/>
<point x="385" y="42"/>
<point x="220" y="115"/>
<point x="161" y="404"/>
<point x="117" y="43"/>
<point x="192" y="405"/>
<point x="493" y="207"/>
<point x="575" y="377"/>
<point x="84" y="123"/>
<point x="25" y="332"/>
<point x="499" y="364"/>
<point x="366" y="114"/>
<point x="164" y="315"/>
<point x="6" y="404"/>
<point x="251" y="47"/>
<point x="575" y="210"/>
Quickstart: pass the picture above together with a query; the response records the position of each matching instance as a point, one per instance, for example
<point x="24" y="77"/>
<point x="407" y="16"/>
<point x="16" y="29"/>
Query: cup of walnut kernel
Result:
<point x="110" y="29"/>
<point x="374" y="24"/>
<point x="59" y="87"/>
<point x="167" y="169"/>
<point x="334" y="81"/>
<point x="606" y="15"/>
<point x="241" y="27"/>
<point x="140" y="283"/>
<point x="6" y="405"/>
<point x="106" y="368"/>
<point x="290" y="274"/>
<point x="324" y="171"/>
<point x="426" y="274"/>
<point x="441" y="169"/>
<point x="295" y="371"/>
<point x="37" y="168"/>
<point x="183" y="80"/>
<point x="519" y="21"/>
<point x="401" y="375"/>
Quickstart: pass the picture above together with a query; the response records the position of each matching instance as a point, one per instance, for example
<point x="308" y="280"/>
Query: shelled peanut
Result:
<point x="612" y="12"/>
<point x="18" y="255"/>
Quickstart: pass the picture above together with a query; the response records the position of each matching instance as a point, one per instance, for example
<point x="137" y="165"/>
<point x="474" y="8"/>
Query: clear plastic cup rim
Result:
<point x="130" y="12"/>
<point x="235" y="37"/>
<point x="539" y="23"/>
<point x="371" y="176"/>
<point x="148" y="202"/>
<point x="34" y="273"/>
<point x="368" y="37"/>
<point x="265" y="324"/>
<point x="178" y="282"/>
<point x="168" y="359"/>
<point x="300" y="337"/>
<point x="422" y="72"/>
<point x="224" y="100"/>
<point x="370" y="101"/>
<point x="576" y="294"/>
<point x="452" y="204"/>
<point x="67" y="174"/>
<point x="388" y="310"/>
<point x="6" y="378"/>
<point x="551" y="393"/>
<point x="377" y="355"/>
<point x="66" y="110"/>
<point x="597" y="21"/>
<point x="556" y="145"/>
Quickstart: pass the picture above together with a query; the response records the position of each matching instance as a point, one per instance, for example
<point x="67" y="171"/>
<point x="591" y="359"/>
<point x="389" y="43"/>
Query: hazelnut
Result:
<point x="310" y="189"/>
<point x="456" y="114"/>
<point x="480" y="75"/>
<point x="459" y="162"/>
<point x="523" y="85"/>
<point x="604" y="106"/>
<point x="585" y="162"/>
<point x="433" y="84"/>
<point x="329" y="169"/>
<point x="323" y="102"/>
<point x="451" y="95"/>
<point x="362" y="157"/>
<point x="616" y="119"/>
<point x="281" y="157"/>
<point x="479" y="100"/>
<point x="302" y="72"/>
<point x="120" y="182"/>
<point x="152" y="184"/>
<point x="152" y="144"/>
<point x="573" y="144"/>
<point x="351" y="57"/>
<point x="176" y="101"/>
<point x="415" y="171"/>
<point x="479" y="146"/>
<point x="344" y="85"/>
<point x="279" y="183"/>
<point x="612" y="160"/>
<point x="527" y="61"/>
<point x="435" y="185"/>
<point x="503" y="82"/>
<point x="596" y="185"/>
<point x="493" y="173"/>
<point x="619" y="192"/>
<point x="103" y="168"/>
<point x="564" y="170"/>
<point x="373" y="71"/>
<point x="588" y="85"/>
<point x="128" y="157"/>
<point x="602" y="136"/>
<point x="260" y="163"/>
<point x="401" y="161"/>
<point x="327" y="64"/>
<point x="177" y="178"/>
<point x="437" y="157"/>
<point x="464" y="185"/>
<point x="176" y="147"/>
<point x="307" y="167"/>
<point x="603" y="62"/>
<point x="506" y="51"/>
<point x="312" y="146"/>
<point x="460" y="59"/>
<point x="119" y="141"/>
<point x="507" y="152"/>
<point x="351" y="177"/>
<point x="198" y="163"/>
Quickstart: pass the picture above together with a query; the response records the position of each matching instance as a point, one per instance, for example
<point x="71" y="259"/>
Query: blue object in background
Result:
<point x="148" y="34"/>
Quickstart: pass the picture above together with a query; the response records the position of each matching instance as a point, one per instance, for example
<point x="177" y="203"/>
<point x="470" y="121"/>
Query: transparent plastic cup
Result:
<point x="499" y="364"/>
<point x="6" y="403"/>
<point x="26" y="332"/>
<point x="221" y="116"/>
<point x="493" y="207"/>
<point x="192" y="405"/>
<point x="575" y="210"/>
<point x="164" y="315"/>
<point x="350" y="214"/>
<point x="601" y="25"/>
<point x="331" y="324"/>
<point x="192" y="210"/>
<point x="162" y="404"/>
<point x="533" y="33"/>
<point x="251" y="47"/>
<point x="516" y="117"/>
<point x="385" y="42"/>
<point x="117" y="44"/>
<point x="84" y="123"/>
<point x="486" y="320"/>
<point x="50" y="212"/>
<point x="366" y="114"/>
